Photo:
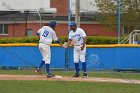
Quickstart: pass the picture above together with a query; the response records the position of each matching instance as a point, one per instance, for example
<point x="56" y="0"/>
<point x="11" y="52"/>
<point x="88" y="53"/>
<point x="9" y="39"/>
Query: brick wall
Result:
<point x="61" y="6"/>
<point x="18" y="30"/>
<point x="99" y="30"/>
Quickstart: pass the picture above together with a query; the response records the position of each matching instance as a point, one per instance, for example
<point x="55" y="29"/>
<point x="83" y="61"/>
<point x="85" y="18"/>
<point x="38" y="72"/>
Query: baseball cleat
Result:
<point x="50" y="75"/>
<point x="84" y="75"/>
<point x="76" y="75"/>
<point x="38" y="71"/>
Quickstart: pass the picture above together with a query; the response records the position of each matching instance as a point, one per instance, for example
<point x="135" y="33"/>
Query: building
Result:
<point x="17" y="23"/>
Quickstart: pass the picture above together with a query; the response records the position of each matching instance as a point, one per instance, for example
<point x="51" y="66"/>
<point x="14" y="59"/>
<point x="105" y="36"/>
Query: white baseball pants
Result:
<point x="78" y="54"/>
<point x="45" y="52"/>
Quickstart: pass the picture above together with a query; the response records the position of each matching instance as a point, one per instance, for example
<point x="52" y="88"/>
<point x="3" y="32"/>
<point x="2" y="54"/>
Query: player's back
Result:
<point x="46" y="34"/>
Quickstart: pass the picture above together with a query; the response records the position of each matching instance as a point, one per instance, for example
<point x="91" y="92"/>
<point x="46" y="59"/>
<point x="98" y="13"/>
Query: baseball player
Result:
<point x="47" y="34"/>
<point x="77" y="37"/>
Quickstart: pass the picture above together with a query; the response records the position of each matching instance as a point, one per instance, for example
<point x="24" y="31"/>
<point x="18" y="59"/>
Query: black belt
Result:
<point x="77" y="45"/>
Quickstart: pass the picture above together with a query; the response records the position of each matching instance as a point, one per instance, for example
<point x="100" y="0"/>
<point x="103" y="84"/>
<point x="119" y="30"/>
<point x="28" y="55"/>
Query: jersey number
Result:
<point x="79" y="39"/>
<point x="45" y="34"/>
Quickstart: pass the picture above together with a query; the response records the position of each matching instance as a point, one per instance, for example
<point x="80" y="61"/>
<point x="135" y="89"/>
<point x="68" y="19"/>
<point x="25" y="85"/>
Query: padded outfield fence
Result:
<point x="98" y="57"/>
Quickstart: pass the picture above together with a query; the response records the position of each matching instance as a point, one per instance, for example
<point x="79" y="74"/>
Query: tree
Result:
<point x="130" y="13"/>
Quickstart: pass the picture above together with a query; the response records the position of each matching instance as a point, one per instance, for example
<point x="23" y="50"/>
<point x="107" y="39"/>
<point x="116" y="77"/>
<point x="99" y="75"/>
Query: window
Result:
<point x="29" y="32"/>
<point x="3" y="29"/>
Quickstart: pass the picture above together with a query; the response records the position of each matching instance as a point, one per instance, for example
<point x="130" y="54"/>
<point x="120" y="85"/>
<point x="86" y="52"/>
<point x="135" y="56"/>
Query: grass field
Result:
<point x="18" y="86"/>
<point x="65" y="87"/>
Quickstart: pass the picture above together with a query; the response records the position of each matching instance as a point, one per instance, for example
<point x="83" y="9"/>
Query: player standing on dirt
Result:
<point x="47" y="34"/>
<point x="78" y="38"/>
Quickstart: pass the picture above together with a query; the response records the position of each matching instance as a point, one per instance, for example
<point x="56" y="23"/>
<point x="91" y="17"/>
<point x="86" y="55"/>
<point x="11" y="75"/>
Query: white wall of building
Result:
<point x="85" y="6"/>
<point x="8" y="5"/>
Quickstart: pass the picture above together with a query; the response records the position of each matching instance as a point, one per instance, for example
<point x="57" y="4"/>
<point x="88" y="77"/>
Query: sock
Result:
<point x="47" y="68"/>
<point x="77" y="68"/>
<point x="41" y="64"/>
<point x="84" y="67"/>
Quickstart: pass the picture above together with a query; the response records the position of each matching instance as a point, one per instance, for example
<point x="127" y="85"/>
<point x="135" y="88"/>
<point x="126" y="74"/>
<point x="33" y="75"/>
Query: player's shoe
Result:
<point x="38" y="71"/>
<point x="84" y="75"/>
<point x="50" y="75"/>
<point x="76" y="75"/>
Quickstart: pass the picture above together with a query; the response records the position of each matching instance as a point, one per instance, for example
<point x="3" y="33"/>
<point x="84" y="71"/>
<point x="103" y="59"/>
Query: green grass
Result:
<point x="105" y="74"/>
<point x="65" y="87"/>
<point x="12" y="86"/>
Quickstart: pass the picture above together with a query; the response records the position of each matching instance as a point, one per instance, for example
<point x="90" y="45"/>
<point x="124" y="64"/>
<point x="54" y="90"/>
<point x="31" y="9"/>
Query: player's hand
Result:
<point x="83" y="47"/>
<point x="64" y="46"/>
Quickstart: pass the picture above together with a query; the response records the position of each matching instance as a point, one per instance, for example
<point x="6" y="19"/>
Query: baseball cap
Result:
<point x="52" y="23"/>
<point x="73" y="24"/>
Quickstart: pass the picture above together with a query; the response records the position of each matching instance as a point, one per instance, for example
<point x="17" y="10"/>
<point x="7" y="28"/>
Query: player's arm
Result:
<point x="65" y="45"/>
<point x="38" y="33"/>
<point x="84" y="42"/>
<point x="84" y="38"/>
<point x="56" y="39"/>
<point x="69" y="42"/>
